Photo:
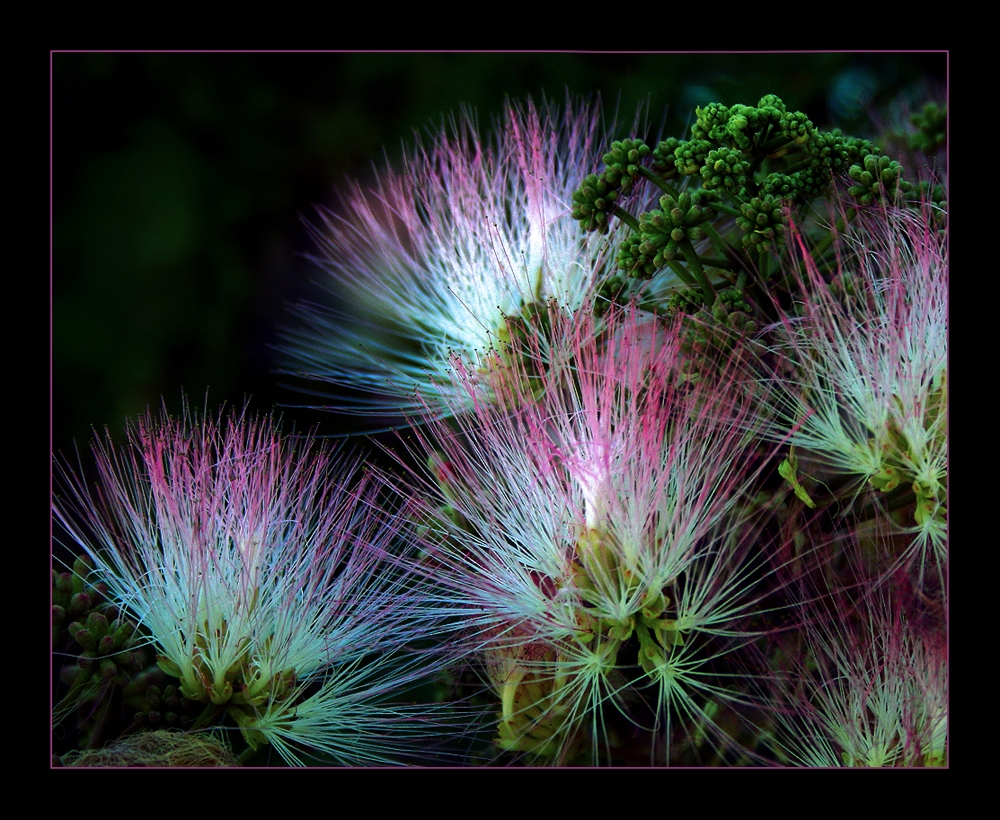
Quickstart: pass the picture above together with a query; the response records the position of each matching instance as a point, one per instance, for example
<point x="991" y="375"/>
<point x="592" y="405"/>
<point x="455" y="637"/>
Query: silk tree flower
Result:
<point x="869" y="399"/>
<point x="438" y="258"/>
<point x="597" y="513"/>
<point x="261" y="570"/>
<point x="871" y="686"/>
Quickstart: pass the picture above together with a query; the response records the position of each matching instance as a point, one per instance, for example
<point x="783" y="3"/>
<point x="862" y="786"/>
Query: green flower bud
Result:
<point x="80" y="603"/>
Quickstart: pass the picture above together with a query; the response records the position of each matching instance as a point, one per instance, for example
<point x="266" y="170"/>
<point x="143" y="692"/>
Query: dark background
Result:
<point x="181" y="180"/>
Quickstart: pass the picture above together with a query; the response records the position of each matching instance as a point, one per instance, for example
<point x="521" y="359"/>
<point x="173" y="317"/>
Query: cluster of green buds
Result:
<point x="156" y="706"/>
<point x="73" y="596"/>
<point x="727" y="193"/>
<point x="877" y="178"/>
<point x="931" y="123"/>
<point x="102" y="650"/>
<point x="107" y="658"/>
<point x="596" y="198"/>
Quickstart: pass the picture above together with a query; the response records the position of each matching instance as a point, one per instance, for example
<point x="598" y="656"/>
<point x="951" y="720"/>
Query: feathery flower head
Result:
<point x="598" y="516"/>
<point x="871" y="687"/>
<point x="470" y="234"/>
<point x="870" y="351"/>
<point x="259" y="567"/>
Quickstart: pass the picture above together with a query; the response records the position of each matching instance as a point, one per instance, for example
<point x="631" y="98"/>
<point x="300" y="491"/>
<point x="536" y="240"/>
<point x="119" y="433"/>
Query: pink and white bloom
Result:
<point x="430" y="263"/>
<point x="870" y="396"/>
<point x="594" y="508"/>
<point x="260" y="568"/>
<point x="871" y="686"/>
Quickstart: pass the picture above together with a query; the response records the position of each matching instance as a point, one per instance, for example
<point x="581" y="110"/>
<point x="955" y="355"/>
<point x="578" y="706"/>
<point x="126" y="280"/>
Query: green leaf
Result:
<point x="787" y="470"/>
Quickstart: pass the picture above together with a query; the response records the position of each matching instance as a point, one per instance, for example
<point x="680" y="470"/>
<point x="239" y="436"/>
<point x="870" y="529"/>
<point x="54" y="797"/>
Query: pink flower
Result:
<point x="433" y="261"/>
<point x="585" y="506"/>
<point x="870" y="687"/>
<point x="260" y="568"/>
<point x="869" y="398"/>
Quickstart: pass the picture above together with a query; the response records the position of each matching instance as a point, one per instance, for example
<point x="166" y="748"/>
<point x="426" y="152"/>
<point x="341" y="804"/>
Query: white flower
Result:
<point x="586" y="507"/>
<point x="260" y="569"/>
<point x="434" y="260"/>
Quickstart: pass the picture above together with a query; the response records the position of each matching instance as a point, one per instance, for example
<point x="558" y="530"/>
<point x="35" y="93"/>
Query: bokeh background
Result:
<point x="181" y="181"/>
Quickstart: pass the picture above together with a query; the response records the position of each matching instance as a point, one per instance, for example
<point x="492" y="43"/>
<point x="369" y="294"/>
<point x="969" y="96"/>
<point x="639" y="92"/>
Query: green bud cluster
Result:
<point x="935" y="197"/>
<point x="74" y="597"/>
<point x="596" y="199"/>
<point x="622" y="163"/>
<point x="106" y="645"/>
<point x="711" y="123"/>
<point x="689" y="156"/>
<point x="107" y="658"/>
<point x="685" y="301"/>
<point x="762" y="222"/>
<point x="663" y="163"/>
<point x="715" y="328"/>
<point x="725" y="168"/>
<point x="158" y="707"/>
<point x="932" y="128"/>
<point x="663" y="231"/>
<point x="753" y="165"/>
<point x="877" y="179"/>
<point x="594" y="202"/>
<point x="633" y="262"/>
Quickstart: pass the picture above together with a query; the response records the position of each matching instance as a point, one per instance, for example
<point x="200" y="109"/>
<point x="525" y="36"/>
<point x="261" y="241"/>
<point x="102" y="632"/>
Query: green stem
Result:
<point x="719" y="262"/>
<point x="764" y="264"/>
<point x="625" y="217"/>
<point x="728" y="210"/>
<point x="715" y="236"/>
<point x="659" y="182"/>
<point x="681" y="272"/>
<point x="798" y="166"/>
<point x="696" y="270"/>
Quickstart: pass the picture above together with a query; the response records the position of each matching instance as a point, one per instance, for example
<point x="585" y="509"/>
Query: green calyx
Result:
<point x="603" y="575"/>
<point x="534" y="714"/>
<point x="521" y="340"/>
<point x="249" y="689"/>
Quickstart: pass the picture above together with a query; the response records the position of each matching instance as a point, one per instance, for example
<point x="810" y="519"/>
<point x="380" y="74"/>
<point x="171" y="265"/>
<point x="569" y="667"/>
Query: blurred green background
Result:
<point x="181" y="180"/>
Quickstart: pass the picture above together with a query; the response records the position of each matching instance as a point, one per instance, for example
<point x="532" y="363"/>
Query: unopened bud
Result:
<point x="80" y="603"/>
<point x="97" y="623"/>
<point x="81" y="636"/>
